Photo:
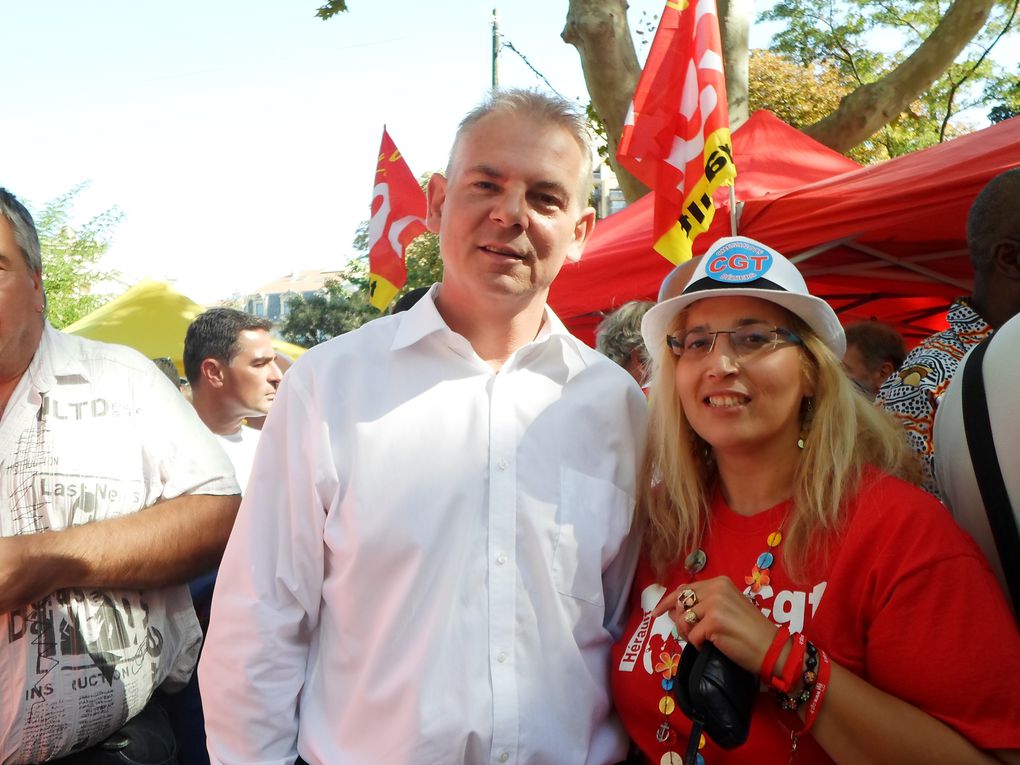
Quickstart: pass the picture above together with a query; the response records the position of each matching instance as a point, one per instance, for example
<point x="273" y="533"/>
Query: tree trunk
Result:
<point x="735" y="18"/>
<point x="870" y="107"/>
<point x="601" y="34"/>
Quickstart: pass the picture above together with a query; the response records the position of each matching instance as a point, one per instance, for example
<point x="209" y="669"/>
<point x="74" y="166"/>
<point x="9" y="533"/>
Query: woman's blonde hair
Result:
<point x="844" y="433"/>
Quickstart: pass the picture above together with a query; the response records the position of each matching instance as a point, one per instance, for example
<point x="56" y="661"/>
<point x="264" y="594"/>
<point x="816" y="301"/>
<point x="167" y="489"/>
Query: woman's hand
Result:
<point x="723" y="616"/>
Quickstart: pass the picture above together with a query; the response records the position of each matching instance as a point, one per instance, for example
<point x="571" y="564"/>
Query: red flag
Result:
<point x="398" y="216"/>
<point x="677" y="137"/>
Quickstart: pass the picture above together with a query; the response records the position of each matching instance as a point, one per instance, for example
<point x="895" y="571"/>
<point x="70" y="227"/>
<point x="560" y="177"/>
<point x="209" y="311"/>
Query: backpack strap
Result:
<point x="978" y="429"/>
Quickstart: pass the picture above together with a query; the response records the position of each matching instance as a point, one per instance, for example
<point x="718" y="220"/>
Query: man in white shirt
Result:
<point x="231" y="366"/>
<point x="431" y="552"/>
<point x="112" y="495"/>
<point x="954" y="466"/>
<point x="232" y="370"/>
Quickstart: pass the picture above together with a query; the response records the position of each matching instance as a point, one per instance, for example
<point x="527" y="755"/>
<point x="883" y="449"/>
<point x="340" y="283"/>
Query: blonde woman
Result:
<point x="780" y="527"/>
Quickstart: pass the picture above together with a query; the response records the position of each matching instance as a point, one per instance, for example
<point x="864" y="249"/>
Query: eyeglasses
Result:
<point x="745" y="340"/>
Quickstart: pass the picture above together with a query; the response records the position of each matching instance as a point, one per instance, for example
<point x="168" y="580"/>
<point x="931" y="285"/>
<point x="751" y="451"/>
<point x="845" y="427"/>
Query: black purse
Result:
<point x="717" y="695"/>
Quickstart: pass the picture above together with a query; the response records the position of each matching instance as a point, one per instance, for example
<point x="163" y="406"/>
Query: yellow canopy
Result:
<point x="153" y="318"/>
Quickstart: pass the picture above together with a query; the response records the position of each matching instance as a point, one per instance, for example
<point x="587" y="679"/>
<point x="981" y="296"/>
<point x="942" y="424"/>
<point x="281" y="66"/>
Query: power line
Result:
<point x="542" y="77"/>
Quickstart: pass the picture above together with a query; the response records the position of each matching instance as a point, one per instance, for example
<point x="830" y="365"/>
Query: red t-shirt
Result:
<point x="906" y="601"/>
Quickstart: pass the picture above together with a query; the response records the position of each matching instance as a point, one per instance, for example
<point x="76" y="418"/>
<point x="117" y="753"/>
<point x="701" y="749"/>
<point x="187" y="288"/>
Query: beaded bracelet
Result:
<point x="784" y="682"/>
<point x="793" y="702"/>
<point x="772" y="655"/>
<point x="818" y="692"/>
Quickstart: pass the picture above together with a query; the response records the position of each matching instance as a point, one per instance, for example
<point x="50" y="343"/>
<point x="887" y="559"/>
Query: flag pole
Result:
<point x="495" y="50"/>
<point x="733" y="211"/>
<point x="684" y="63"/>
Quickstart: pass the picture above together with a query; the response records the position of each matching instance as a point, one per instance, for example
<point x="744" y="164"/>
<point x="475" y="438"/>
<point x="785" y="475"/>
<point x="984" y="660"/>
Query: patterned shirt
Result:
<point x="92" y="432"/>
<point x="912" y="394"/>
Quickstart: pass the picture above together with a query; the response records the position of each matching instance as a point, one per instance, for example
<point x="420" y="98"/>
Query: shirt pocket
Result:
<point x="594" y="515"/>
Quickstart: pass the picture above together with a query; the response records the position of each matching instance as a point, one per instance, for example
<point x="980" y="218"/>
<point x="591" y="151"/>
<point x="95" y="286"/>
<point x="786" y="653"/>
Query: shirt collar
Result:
<point x="420" y="320"/>
<point x="48" y="363"/>
<point x="423" y="319"/>
<point x="962" y="314"/>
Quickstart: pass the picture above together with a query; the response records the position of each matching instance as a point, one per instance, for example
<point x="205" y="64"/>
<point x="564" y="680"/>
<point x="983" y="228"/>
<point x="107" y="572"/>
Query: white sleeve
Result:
<point x="619" y="576"/>
<point x="266" y="603"/>
<point x="180" y="452"/>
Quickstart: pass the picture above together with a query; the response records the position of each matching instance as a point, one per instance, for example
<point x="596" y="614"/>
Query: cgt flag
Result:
<point x="676" y="139"/>
<point x="398" y="216"/>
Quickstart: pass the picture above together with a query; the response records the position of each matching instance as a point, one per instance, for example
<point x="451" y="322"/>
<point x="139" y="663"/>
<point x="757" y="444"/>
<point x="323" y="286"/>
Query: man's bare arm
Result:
<point x="165" y="544"/>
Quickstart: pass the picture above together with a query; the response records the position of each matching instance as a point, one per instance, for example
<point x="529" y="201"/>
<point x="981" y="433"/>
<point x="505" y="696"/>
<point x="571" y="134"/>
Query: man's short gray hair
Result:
<point x="25" y="235"/>
<point x="543" y="108"/>
<point x="620" y="332"/>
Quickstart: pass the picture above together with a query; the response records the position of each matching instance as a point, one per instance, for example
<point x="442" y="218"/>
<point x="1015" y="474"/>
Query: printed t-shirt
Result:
<point x="904" y="596"/>
<point x="94" y="431"/>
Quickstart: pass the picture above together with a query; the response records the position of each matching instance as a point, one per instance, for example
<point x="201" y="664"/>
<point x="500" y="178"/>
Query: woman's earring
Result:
<point x="809" y="411"/>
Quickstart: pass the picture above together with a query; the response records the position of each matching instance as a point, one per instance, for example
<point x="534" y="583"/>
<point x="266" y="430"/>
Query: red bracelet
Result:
<point x="793" y="666"/>
<point x="818" y="692"/>
<point x="772" y="655"/>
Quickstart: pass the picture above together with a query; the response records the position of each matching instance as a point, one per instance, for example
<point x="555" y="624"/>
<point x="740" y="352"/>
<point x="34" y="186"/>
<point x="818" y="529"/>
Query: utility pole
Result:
<point x="495" y="50"/>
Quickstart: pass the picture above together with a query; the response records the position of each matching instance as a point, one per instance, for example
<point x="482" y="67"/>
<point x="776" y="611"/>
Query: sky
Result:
<point x="239" y="139"/>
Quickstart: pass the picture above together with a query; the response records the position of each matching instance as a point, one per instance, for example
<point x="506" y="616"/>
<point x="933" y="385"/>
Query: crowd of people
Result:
<point x="467" y="537"/>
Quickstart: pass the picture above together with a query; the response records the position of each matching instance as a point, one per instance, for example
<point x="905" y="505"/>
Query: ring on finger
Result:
<point x="690" y="617"/>
<point x="687" y="599"/>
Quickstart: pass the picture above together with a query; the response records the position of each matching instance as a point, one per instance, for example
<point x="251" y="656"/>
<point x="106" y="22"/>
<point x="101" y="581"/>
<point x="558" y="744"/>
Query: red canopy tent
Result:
<point x="889" y="240"/>
<point x="885" y="241"/>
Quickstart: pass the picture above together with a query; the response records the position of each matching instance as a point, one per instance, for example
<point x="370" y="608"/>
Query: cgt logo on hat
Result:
<point x="735" y="266"/>
<point x="738" y="262"/>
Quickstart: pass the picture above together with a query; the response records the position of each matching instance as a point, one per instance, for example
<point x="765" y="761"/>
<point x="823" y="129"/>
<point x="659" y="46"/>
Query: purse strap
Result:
<point x="697" y="728"/>
<point x="978" y="429"/>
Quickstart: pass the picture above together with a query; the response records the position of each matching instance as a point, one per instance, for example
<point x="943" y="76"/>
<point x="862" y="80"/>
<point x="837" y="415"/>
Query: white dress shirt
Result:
<point x="428" y="556"/>
<point x="94" y="431"/>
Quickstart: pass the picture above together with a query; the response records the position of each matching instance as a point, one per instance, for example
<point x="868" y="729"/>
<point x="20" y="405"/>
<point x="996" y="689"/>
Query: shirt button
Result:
<point x="504" y="756"/>
<point x="501" y="658"/>
<point x="502" y="465"/>
<point x="501" y="559"/>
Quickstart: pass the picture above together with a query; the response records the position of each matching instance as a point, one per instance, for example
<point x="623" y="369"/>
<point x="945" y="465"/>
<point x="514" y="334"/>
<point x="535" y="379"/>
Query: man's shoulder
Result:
<point x="600" y="364"/>
<point x="96" y="357"/>
<point x="603" y="382"/>
<point x="372" y="337"/>
<point x="928" y="367"/>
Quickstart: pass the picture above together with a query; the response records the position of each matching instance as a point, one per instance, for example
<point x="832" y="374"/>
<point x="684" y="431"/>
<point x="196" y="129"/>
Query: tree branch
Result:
<point x="871" y="106"/>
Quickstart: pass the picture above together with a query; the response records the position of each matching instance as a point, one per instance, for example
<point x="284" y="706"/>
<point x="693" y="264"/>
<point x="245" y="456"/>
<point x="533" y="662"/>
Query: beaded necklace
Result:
<point x="669" y="660"/>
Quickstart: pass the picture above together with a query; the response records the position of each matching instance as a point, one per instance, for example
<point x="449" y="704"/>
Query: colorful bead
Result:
<point x="664" y="733"/>
<point x="759" y="578"/>
<point x="695" y="562"/>
<point x="668" y="664"/>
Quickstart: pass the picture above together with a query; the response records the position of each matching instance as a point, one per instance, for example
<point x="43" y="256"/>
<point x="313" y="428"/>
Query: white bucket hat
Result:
<point x="741" y="266"/>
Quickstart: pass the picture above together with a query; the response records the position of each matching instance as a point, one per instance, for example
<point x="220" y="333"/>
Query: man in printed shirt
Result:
<point x="112" y="495"/>
<point x="912" y="394"/>
<point x="431" y="554"/>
